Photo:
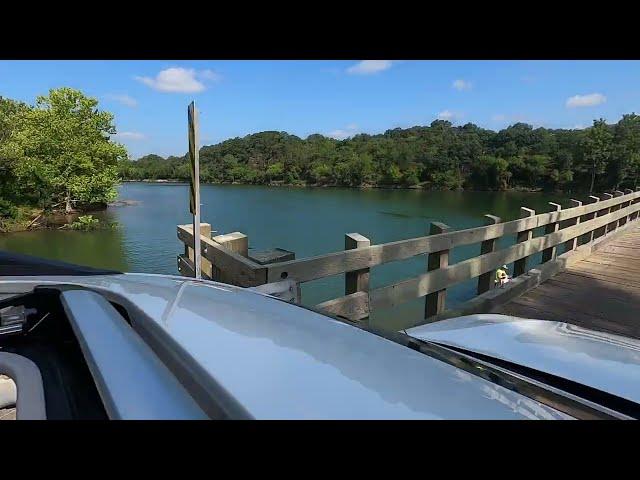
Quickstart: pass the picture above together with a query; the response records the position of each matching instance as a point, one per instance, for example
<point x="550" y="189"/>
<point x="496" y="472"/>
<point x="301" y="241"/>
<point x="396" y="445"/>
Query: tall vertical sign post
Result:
<point x="194" y="190"/>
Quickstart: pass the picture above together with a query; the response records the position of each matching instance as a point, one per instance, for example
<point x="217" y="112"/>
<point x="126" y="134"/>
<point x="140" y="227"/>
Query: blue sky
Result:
<point x="338" y="98"/>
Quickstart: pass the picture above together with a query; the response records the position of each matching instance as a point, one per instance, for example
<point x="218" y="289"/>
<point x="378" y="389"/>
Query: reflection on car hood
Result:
<point x="610" y="363"/>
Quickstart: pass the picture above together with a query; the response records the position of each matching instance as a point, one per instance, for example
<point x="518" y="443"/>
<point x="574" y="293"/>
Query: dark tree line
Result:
<point x="440" y="156"/>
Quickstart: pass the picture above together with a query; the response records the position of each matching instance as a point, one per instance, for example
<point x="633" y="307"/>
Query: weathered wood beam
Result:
<point x="242" y="271"/>
<point x="485" y="281"/>
<point x="573" y="243"/>
<point x="357" y="280"/>
<point x="235" y="241"/>
<point x="520" y="266"/>
<point x="435" y="302"/>
<point x="550" y="253"/>
<point x="594" y="199"/>
<point x="354" y="307"/>
<point x="606" y="211"/>
<point x="205" y="265"/>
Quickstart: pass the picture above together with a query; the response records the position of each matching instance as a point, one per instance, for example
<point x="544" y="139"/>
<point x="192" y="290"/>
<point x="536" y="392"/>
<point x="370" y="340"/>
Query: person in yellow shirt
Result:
<point x="502" y="277"/>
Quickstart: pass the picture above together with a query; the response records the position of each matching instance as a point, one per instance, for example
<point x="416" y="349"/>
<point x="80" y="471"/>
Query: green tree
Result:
<point x="64" y="149"/>
<point x="625" y="161"/>
<point x="275" y="171"/>
<point x="597" y="150"/>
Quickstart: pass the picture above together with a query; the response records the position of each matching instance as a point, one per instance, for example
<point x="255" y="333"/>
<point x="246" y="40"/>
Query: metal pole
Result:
<point x="194" y="155"/>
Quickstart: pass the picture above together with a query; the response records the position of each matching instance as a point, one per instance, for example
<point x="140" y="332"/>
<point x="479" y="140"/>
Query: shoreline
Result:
<point x="422" y="187"/>
<point x="52" y="221"/>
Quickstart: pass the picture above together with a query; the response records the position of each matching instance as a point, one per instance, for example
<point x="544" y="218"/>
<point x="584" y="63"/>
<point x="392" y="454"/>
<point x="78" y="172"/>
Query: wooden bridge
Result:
<point x="601" y="292"/>
<point x="589" y="274"/>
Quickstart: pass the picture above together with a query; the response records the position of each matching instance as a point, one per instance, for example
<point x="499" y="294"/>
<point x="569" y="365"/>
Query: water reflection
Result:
<point x="100" y="249"/>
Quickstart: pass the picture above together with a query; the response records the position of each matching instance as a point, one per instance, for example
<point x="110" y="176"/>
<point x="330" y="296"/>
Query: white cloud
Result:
<point x="579" y="127"/>
<point x="342" y="133"/>
<point x="590" y="100"/>
<point x="124" y="99"/>
<point x="180" y="80"/>
<point x="447" y="115"/>
<point x="368" y="67"/>
<point x="130" y="136"/>
<point x="499" y="117"/>
<point x="461" y="85"/>
<point x="209" y="75"/>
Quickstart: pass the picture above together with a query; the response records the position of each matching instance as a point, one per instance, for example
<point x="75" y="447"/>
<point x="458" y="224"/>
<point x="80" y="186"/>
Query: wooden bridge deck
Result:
<point x="601" y="292"/>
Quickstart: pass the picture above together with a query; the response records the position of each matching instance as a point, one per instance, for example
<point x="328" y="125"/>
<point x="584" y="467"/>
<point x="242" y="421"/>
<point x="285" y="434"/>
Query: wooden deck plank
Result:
<point x="607" y="270"/>
<point x="630" y="252"/>
<point x="614" y="263"/>
<point x="601" y="292"/>
<point x="573" y="283"/>
<point x="581" y="294"/>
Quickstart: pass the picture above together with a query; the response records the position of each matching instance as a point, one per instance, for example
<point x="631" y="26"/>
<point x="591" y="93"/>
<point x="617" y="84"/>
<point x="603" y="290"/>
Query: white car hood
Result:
<point x="280" y="361"/>
<point x="607" y="362"/>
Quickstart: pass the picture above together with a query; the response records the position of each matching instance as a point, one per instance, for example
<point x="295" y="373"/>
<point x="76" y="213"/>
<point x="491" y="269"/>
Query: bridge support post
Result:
<point x="205" y="265"/>
<point x="606" y="211"/>
<point x="620" y="221"/>
<point x="520" y="266"/>
<point x="357" y="280"/>
<point x="573" y="243"/>
<point x="593" y="216"/>
<point x="550" y="253"/>
<point x="435" y="301"/>
<point x="486" y="279"/>
<point x="629" y="217"/>
<point x="236" y="242"/>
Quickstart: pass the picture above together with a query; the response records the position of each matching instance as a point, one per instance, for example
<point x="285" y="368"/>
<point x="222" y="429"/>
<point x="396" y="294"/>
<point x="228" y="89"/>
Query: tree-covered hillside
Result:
<point x="439" y="156"/>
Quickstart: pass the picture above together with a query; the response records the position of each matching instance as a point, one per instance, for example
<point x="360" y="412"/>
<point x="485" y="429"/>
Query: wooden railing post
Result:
<point x="486" y="279"/>
<point x="435" y="301"/>
<point x="631" y="216"/>
<point x="357" y="280"/>
<point x="618" y="222"/>
<point x="520" y="266"/>
<point x="205" y="265"/>
<point x="573" y="243"/>
<point x="236" y="242"/>
<point x="628" y="218"/>
<point x="593" y="216"/>
<point x="550" y="253"/>
<point x="606" y="211"/>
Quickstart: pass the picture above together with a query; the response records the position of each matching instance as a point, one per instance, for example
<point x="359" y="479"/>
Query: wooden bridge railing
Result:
<point x="604" y="215"/>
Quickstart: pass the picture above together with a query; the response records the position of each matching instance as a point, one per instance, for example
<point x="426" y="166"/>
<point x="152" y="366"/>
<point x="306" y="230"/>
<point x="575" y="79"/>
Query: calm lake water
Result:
<point x="307" y="221"/>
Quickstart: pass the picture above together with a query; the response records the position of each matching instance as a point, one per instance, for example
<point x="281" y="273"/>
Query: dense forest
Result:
<point x="57" y="153"/>
<point x="440" y="156"/>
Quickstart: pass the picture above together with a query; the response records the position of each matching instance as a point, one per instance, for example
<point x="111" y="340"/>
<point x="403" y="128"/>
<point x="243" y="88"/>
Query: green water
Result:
<point x="308" y="221"/>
